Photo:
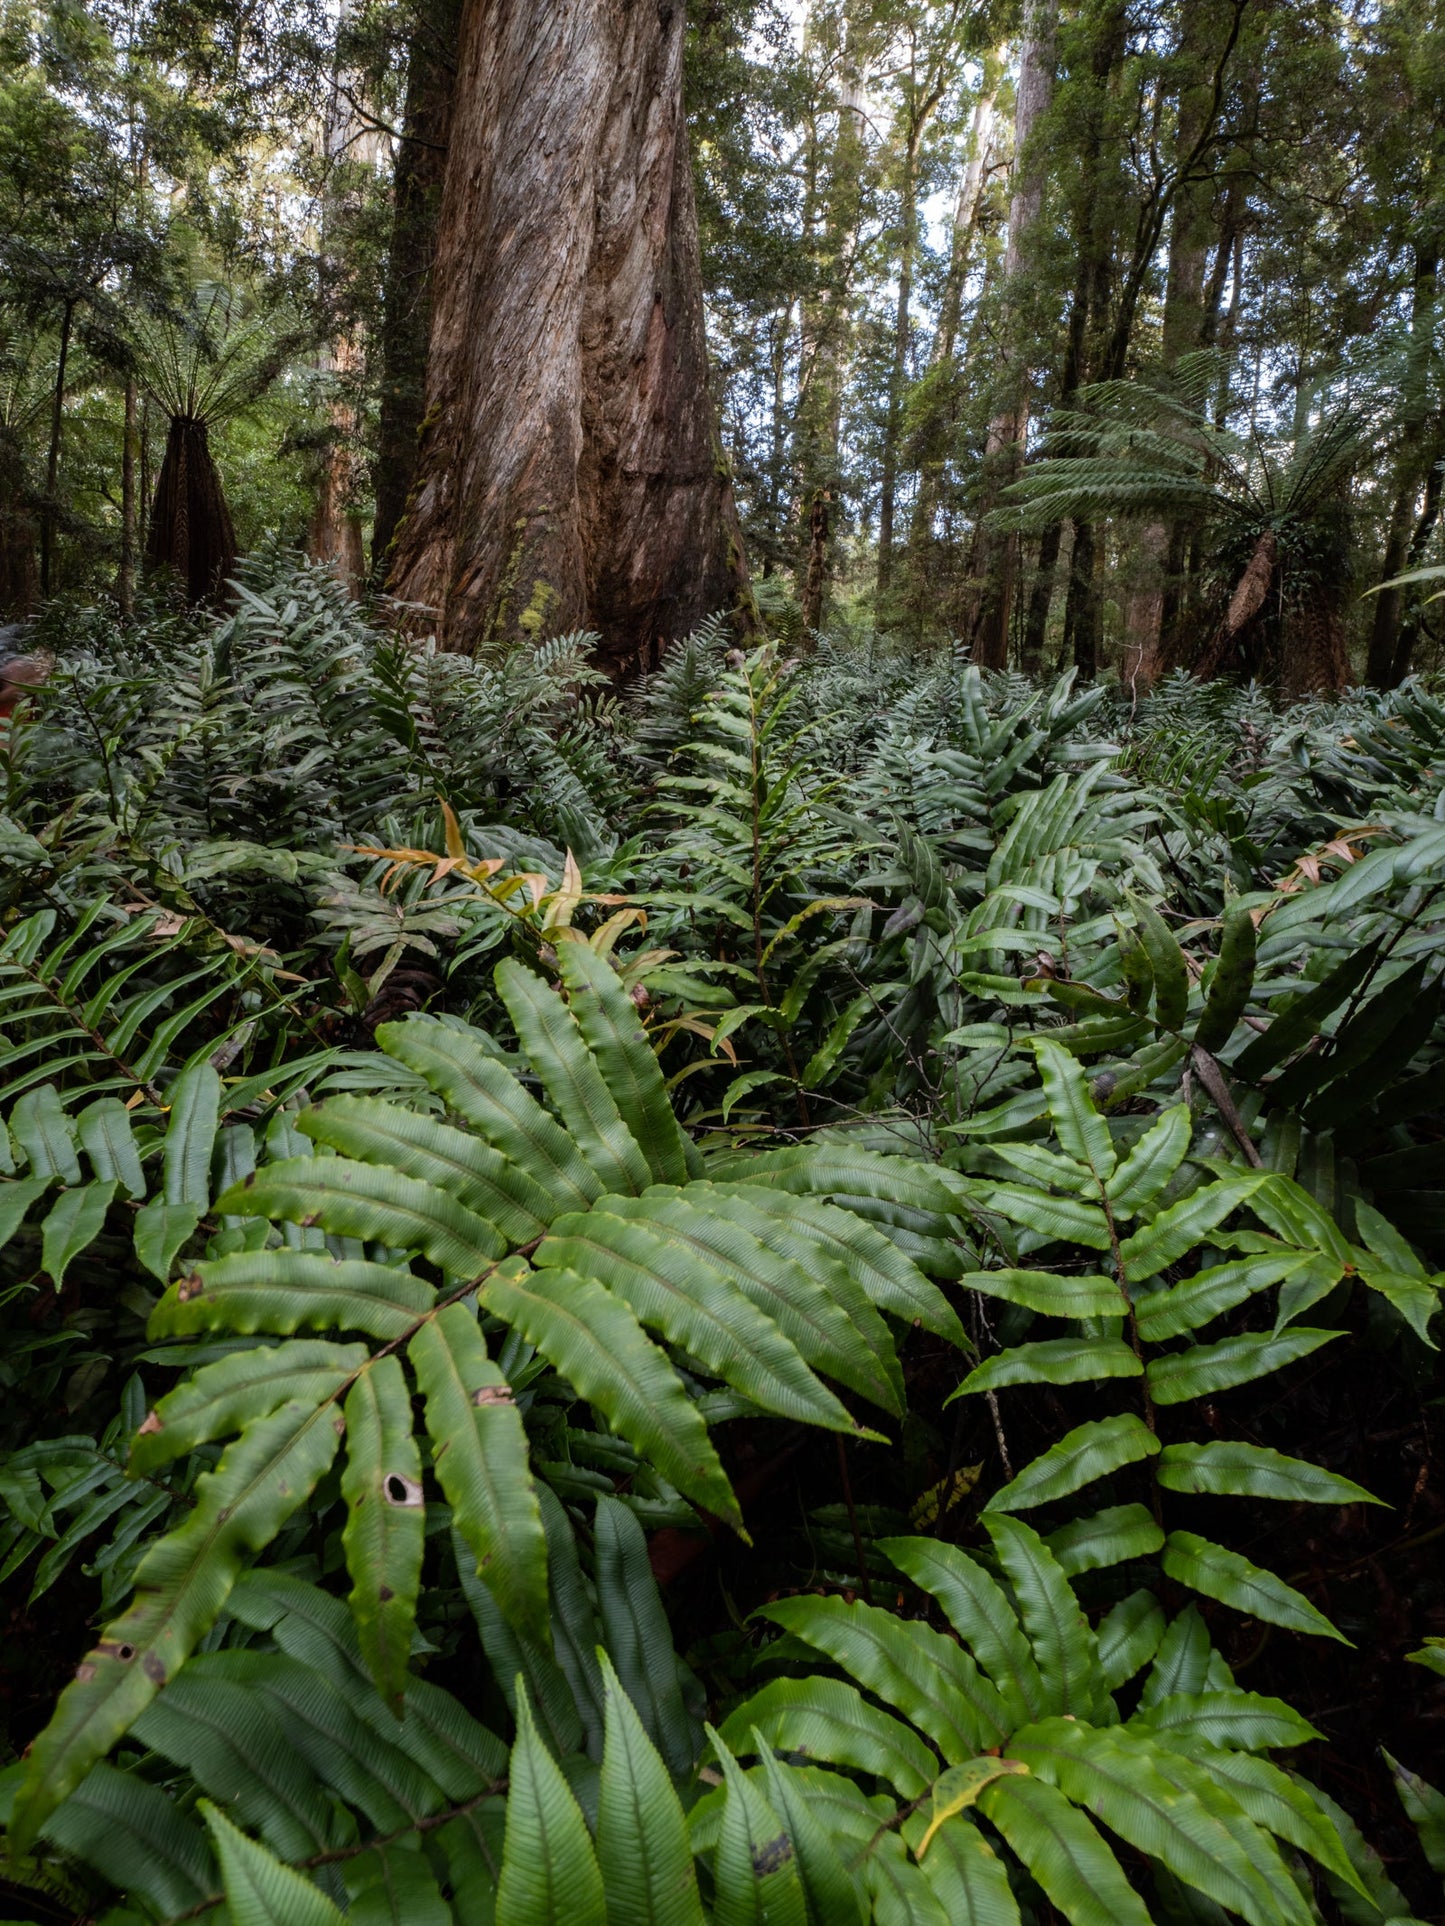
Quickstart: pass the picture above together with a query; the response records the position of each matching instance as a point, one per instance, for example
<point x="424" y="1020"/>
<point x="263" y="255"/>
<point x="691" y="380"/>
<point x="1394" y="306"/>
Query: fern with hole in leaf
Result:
<point x="589" y="1230"/>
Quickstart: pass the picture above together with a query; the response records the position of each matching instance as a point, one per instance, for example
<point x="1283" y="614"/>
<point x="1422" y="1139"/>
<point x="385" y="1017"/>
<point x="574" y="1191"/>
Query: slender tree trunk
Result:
<point x="782" y="329"/>
<point x="965" y="221"/>
<point x="1087" y="321"/>
<point x="1003" y="447"/>
<point x="1415" y="554"/>
<point x="570" y="472"/>
<point x="52" y="465"/>
<point x="945" y="340"/>
<point x="1230" y="231"/>
<point x="406" y="312"/>
<point x="143" y="505"/>
<point x="336" y="532"/>
<point x="1419" y="454"/>
<point x="898" y="374"/>
<point x="1089" y="284"/>
<point x="826" y="317"/>
<point x="1183" y="331"/>
<point x="1041" y="598"/>
<point x="1385" y="625"/>
<point x="129" y="547"/>
<point x="817" y="574"/>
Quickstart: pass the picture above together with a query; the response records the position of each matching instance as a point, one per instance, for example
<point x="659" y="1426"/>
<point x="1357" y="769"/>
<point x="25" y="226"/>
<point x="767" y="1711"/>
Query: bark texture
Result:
<point x="190" y="528"/>
<point x="1313" y="657"/>
<point x="569" y="473"/>
<point x="406" y="315"/>
<point x="816" y="578"/>
<point x="335" y="532"/>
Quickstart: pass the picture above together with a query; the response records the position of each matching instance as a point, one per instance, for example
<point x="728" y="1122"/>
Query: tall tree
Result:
<point x="935" y="403"/>
<point x="838" y="187"/>
<point x="1004" y="446"/>
<point x="931" y="45"/>
<point x="570" y="471"/>
<point x="406" y="314"/>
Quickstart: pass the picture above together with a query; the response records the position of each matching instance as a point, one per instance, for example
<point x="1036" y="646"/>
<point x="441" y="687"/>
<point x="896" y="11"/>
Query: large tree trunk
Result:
<point x="1245" y="605"/>
<point x="1003" y="448"/>
<point x="816" y="577"/>
<point x="190" y="528"/>
<point x="406" y="313"/>
<point x="570" y="472"/>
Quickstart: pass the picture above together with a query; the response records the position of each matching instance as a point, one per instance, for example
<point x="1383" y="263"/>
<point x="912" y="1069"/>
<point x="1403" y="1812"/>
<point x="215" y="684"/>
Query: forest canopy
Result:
<point x="722" y="962"/>
<point x="1039" y="328"/>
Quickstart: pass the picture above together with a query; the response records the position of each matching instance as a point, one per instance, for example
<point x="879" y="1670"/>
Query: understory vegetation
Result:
<point x="804" y="1295"/>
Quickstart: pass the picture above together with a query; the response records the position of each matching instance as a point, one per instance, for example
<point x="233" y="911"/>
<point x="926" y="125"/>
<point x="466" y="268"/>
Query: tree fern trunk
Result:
<point x="190" y="527"/>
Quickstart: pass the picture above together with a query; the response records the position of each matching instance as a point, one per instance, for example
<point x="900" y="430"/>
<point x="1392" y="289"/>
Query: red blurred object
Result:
<point x="19" y="673"/>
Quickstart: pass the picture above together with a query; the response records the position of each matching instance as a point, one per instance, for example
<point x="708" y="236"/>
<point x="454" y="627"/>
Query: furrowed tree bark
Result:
<point x="406" y="311"/>
<point x="1004" y="445"/>
<point x="570" y="473"/>
<point x="335" y="533"/>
